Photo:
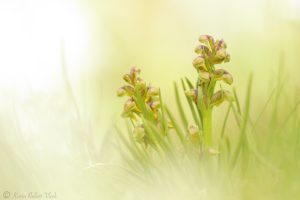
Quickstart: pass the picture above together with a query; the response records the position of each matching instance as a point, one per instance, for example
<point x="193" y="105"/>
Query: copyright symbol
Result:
<point x="6" y="194"/>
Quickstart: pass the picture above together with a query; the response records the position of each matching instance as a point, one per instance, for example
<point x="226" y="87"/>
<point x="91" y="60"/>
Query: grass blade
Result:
<point x="237" y="102"/>
<point x="225" y="121"/>
<point x="191" y="105"/>
<point x="242" y="141"/>
<point x="178" y="131"/>
<point x="179" y="106"/>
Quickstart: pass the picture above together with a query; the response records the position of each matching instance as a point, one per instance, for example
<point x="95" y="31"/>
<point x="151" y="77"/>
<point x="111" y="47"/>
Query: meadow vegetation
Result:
<point x="178" y="152"/>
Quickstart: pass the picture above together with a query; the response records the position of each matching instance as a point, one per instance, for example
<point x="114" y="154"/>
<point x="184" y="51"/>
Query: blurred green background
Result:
<point x="56" y="116"/>
<point x="159" y="37"/>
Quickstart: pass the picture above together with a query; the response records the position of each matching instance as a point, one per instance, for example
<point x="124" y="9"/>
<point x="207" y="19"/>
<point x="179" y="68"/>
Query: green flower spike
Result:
<point x="140" y="96"/>
<point x="210" y="53"/>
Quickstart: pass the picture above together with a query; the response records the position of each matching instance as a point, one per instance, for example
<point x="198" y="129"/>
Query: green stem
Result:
<point x="207" y="127"/>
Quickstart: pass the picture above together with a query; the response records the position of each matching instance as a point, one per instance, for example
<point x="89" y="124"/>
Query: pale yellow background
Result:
<point x="43" y="120"/>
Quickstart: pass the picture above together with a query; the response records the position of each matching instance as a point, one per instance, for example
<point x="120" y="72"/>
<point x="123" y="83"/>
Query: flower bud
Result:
<point x="204" y="75"/>
<point x="135" y="70"/>
<point x="217" y="98"/>
<point x="218" y="73"/>
<point x="201" y="49"/>
<point x="129" y="105"/>
<point x="127" y="78"/>
<point x="220" y="96"/>
<point x="205" y="39"/>
<point x="153" y="91"/>
<point x="220" y="44"/>
<point x="121" y="92"/>
<point x="129" y="90"/>
<point x="221" y="74"/>
<point x="227" y="78"/>
<point x="221" y="54"/>
<point x="191" y="93"/>
<point x="154" y="105"/>
<point x="199" y="63"/>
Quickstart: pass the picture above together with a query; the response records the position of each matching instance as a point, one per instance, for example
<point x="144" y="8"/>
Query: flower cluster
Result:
<point x="137" y="87"/>
<point x="141" y="96"/>
<point x="152" y="124"/>
<point x="211" y="52"/>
